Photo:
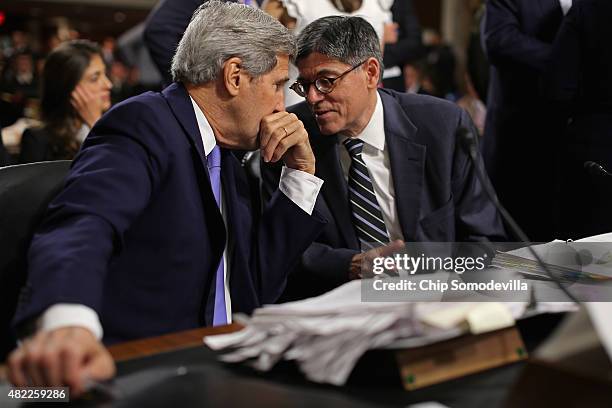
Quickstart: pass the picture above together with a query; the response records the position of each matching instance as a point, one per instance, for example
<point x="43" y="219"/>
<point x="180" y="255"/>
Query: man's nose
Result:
<point x="280" y="103"/>
<point x="313" y="95"/>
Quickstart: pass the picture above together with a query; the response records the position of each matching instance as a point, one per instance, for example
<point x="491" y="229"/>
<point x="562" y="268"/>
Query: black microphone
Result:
<point x="596" y="169"/>
<point x="467" y="140"/>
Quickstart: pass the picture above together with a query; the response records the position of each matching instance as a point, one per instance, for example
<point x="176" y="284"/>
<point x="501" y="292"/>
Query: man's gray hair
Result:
<point x="219" y="31"/>
<point x="347" y="39"/>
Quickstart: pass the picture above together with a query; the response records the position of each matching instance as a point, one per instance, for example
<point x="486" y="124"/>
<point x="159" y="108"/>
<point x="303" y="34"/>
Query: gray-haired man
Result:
<point x="154" y="231"/>
<point x="391" y="166"/>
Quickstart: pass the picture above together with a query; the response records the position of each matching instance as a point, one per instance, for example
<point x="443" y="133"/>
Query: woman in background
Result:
<point x="75" y="93"/>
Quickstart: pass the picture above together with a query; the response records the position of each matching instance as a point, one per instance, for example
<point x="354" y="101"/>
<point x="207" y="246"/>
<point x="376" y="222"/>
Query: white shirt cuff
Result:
<point x="300" y="187"/>
<point x="69" y="314"/>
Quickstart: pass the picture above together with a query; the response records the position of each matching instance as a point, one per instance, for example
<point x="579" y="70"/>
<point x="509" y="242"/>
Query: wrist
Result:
<point x="355" y="267"/>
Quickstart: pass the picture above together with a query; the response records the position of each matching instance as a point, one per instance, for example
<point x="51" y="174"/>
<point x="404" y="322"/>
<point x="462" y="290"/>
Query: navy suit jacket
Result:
<point x="522" y="129"/>
<point x="136" y="234"/>
<point x="581" y="62"/>
<point x="580" y="83"/>
<point x="438" y="197"/>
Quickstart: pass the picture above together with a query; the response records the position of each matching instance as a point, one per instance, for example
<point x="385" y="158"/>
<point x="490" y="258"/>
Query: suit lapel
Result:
<point x="407" y="160"/>
<point x="178" y="100"/>
<point x="334" y="189"/>
<point x="182" y="108"/>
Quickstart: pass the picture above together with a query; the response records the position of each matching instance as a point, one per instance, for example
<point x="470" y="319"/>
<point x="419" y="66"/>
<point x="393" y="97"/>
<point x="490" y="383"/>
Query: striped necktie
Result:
<point x="214" y="171"/>
<point x="367" y="215"/>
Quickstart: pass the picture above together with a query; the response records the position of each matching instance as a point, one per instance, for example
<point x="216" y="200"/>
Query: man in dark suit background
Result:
<point x="154" y="231"/>
<point x="522" y="130"/>
<point x="407" y="177"/>
<point x="579" y="81"/>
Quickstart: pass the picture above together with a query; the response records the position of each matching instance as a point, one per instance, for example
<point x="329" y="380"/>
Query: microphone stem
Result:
<point x="516" y="229"/>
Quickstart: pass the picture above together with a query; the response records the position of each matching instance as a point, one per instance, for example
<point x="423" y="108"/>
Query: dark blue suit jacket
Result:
<point x="136" y="233"/>
<point x="522" y="130"/>
<point x="438" y="197"/>
<point x="580" y="82"/>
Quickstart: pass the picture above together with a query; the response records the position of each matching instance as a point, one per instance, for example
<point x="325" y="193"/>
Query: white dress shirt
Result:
<point x="82" y="133"/>
<point x="376" y="157"/>
<point x="300" y="187"/>
<point x="566" y="5"/>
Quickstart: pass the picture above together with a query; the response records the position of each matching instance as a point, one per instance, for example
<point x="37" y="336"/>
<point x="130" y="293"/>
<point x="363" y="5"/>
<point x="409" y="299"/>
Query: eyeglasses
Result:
<point x="322" y="84"/>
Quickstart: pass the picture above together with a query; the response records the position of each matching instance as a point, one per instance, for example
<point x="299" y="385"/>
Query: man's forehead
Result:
<point x="282" y="65"/>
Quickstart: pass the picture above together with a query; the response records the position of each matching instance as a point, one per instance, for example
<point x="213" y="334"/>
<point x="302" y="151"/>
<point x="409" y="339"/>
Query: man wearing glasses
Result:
<point x="392" y="168"/>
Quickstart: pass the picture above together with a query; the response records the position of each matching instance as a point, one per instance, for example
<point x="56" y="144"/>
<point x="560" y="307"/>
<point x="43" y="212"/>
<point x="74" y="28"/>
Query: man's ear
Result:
<point x="372" y="68"/>
<point x="232" y="71"/>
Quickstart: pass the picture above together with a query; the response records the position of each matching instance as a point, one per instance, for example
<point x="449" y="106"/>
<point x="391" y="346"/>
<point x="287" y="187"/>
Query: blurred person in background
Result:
<point x="20" y="76"/>
<point x="580" y="83"/>
<point x="402" y="43"/>
<point x="118" y="75"/>
<point x="413" y="78"/>
<point x="522" y="130"/>
<point x="20" y="84"/>
<point x="440" y="64"/>
<point x="108" y="50"/>
<point x="75" y="93"/>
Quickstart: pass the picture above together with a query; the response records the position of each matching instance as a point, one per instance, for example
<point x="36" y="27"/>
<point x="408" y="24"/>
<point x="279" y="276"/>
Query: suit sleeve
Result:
<point x="284" y="233"/>
<point x="477" y="219"/>
<point x="505" y="41"/>
<point x="109" y="184"/>
<point x="408" y="46"/>
<point x="330" y="265"/>
<point x="164" y="28"/>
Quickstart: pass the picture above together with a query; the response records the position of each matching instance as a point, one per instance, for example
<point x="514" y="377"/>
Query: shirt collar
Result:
<point x="566" y="5"/>
<point x="374" y="132"/>
<point x="206" y="132"/>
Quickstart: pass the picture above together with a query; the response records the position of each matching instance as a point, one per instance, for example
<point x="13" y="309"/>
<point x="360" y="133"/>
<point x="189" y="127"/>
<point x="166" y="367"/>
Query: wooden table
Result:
<point x="167" y="342"/>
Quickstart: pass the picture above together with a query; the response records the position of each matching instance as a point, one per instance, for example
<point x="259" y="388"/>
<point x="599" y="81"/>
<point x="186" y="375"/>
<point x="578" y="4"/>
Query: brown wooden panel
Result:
<point x="168" y="342"/>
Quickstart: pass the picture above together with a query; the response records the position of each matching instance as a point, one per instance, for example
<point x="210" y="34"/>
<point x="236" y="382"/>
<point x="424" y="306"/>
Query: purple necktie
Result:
<point x="214" y="171"/>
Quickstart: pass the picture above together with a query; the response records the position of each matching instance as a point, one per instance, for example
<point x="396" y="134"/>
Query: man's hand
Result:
<point x="282" y="135"/>
<point x="69" y="356"/>
<point x="87" y="105"/>
<point x="361" y="264"/>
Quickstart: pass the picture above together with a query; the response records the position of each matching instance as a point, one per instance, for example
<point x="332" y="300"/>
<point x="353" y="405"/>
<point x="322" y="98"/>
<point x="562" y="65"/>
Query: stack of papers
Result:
<point x="327" y="335"/>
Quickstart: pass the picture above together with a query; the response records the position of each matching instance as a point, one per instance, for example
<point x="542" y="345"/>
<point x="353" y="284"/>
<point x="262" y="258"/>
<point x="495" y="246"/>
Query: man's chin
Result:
<point x="327" y="128"/>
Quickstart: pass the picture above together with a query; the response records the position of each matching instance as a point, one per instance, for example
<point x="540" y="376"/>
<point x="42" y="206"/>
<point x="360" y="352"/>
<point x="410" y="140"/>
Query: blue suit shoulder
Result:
<point x="424" y="106"/>
<point x="435" y="119"/>
<point x="144" y="119"/>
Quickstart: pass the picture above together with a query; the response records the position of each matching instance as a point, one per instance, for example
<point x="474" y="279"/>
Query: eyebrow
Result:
<point x="323" y="72"/>
<point x="282" y="80"/>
